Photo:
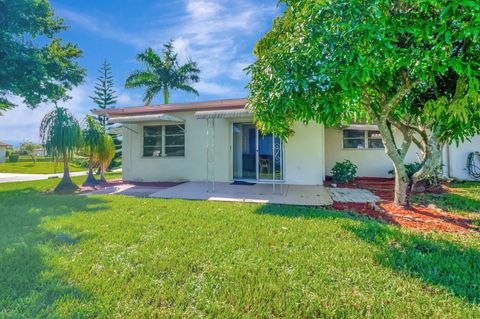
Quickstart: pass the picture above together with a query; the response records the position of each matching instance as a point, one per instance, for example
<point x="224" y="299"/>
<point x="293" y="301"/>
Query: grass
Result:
<point x="118" y="256"/>
<point x="42" y="166"/>
<point x="463" y="199"/>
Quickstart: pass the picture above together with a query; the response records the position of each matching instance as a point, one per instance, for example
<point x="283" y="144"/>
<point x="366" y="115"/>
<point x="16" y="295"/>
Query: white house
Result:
<point x="3" y="150"/>
<point x="218" y="141"/>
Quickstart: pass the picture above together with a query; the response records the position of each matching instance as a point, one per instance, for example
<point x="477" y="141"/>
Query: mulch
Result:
<point x="418" y="217"/>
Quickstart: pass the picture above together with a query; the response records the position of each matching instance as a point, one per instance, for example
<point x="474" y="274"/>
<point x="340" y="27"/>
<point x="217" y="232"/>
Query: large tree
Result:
<point x="35" y="64"/>
<point x="410" y="67"/>
<point x="104" y="93"/>
<point x="162" y="74"/>
<point x="61" y="134"/>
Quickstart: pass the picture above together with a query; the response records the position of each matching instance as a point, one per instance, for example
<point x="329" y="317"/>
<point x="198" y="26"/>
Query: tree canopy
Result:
<point x="35" y="64"/>
<point x="162" y="74"/>
<point x="410" y="66"/>
<point x="60" y="132"/>
<point x="104" y="93"/>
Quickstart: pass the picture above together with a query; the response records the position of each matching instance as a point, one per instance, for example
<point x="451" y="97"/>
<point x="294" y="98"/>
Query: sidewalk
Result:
<point x="14" y="177"/>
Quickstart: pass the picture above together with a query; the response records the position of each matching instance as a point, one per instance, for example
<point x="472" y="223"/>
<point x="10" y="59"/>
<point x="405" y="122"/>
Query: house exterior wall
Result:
<point x="303" y="154"/>
<point x="3" y="152"/>
<point x="370" y="162"/>
<point x="458" y="158"/>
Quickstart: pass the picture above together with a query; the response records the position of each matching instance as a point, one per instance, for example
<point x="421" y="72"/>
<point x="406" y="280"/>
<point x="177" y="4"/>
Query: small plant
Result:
<point x="344" y="172"/>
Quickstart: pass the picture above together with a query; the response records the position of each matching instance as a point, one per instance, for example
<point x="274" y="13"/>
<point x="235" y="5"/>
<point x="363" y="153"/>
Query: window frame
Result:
<point x="163" y="141"/>
<point x="366" y="140"/>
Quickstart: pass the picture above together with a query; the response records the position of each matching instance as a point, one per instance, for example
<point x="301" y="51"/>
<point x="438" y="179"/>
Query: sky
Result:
<point x="218" y="34"/>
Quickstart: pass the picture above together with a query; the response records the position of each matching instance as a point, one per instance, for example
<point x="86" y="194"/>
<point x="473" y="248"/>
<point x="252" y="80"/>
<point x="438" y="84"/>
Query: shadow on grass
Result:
<point x="437" y="262"/>
<point x="29" y="286"/>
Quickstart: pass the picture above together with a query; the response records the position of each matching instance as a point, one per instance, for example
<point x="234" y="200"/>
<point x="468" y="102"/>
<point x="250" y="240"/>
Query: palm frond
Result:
<point x="139" y="78"/>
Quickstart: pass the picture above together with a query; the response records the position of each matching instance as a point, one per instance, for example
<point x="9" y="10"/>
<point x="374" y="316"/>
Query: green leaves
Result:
<point x="34" y="64"/>
<point x="163" y="74"/>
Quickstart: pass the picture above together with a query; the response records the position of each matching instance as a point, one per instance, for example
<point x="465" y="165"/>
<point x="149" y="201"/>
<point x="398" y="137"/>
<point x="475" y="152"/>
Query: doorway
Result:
<point x="256" y="157"/>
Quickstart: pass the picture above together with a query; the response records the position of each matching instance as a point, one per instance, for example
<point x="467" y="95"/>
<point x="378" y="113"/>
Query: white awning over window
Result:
<point x="225" y="114"/>
<point x="146" y="118"/>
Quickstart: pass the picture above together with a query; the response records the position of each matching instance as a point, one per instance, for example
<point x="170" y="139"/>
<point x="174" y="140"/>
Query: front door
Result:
<point x="255" y="156"/>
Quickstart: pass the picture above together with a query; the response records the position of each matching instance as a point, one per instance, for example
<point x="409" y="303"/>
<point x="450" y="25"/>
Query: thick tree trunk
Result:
<point x="402" y="181"/>
<point x="431" y="161"/>
<point x="66" y="185"/>
<point x="90" y="181"/>
<point x="165" y="96"/>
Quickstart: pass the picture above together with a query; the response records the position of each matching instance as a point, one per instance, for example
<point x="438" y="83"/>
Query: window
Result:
<point x="164" y="140"/>
<point x="362" y="139"/>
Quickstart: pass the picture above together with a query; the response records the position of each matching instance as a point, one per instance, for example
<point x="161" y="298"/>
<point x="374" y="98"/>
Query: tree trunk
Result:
<point x="402" y="181"/>
<point x="431" y="161"/>
<point x="90" y="181"/>
<point x="165" y="96"/>
<point x="66" y="185"/>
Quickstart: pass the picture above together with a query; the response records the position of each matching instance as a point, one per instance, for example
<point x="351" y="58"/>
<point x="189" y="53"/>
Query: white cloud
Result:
<point x="22" y="123"/>
<point x="213" y="88"/>
<point x="211" y="32"/>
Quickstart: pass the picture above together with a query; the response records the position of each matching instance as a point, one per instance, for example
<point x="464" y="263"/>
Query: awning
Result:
<point x="146" y="118"/>
<point x="361" y="127"/>
<point x="223" y="114"/>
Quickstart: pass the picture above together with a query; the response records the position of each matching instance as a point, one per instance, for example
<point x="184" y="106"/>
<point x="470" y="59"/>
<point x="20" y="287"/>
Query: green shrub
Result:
<point x="13" y="158"/>
<point x="80" y="162"/>
<point x="344" y="172"/>
<point x="7" y="153"/>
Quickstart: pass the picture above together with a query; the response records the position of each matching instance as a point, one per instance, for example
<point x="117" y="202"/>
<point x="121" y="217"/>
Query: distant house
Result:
<point x="218" y="140"/>
<point x="39" y="151"/>
<point x="3" y="151"/>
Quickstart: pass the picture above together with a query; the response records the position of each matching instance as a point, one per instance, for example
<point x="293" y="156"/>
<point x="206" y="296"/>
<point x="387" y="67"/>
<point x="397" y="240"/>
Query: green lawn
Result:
<point x="124" y="257"/>
<point x="463" y="199"/>
<point x="41" y="167"/>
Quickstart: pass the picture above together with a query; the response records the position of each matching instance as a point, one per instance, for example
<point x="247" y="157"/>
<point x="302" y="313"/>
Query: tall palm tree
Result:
<point x="162" y="74"/>
<point x="104" y="154"/>
<point x="92" y="136"/>
<point x="61" y="134"/>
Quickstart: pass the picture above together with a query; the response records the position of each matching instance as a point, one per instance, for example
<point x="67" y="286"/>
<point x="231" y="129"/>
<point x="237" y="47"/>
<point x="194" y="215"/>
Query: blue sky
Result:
<point x="218" y="34"/>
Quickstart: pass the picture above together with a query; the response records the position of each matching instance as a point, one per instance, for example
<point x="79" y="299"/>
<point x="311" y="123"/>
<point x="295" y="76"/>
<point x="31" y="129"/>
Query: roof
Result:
<point x="216" y="105"/>
<point x="4" y="144"/>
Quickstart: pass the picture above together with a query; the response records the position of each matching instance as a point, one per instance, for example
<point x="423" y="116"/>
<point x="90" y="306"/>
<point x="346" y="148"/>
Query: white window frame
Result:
<point x="365" y="140"/>
<point x="163" y="135"/>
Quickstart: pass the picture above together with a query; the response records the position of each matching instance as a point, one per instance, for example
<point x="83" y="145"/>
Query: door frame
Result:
<point x="257" y="157"/>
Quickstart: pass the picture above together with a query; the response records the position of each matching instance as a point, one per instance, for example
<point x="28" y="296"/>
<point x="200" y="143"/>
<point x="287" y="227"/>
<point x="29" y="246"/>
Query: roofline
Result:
<point x="214" y="105"/>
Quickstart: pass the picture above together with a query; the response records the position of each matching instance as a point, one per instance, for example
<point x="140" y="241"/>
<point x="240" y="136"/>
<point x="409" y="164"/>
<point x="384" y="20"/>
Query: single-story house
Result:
<point x="218" y="141"/>
<point x="3" y="151"/>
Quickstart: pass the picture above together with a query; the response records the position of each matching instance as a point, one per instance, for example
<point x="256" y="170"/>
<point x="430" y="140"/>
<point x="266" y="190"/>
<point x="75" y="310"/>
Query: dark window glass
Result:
<point x="152" y="141"/>
<point x="375" y="139"/>
<point x="353" y="139"/>
<point x="174" y="141"/>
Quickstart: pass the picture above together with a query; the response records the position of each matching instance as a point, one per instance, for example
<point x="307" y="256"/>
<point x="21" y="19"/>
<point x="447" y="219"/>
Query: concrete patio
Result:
<point x="258" y="193"/>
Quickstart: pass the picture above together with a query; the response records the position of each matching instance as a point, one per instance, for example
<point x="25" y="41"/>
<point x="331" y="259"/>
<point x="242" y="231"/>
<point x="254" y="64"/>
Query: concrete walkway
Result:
<point x="259" y="193"/>
<point x="352" y="195"/>
<point x="14" y="177"/>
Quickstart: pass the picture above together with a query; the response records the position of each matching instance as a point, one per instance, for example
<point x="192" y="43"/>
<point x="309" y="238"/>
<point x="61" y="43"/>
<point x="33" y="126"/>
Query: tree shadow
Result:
<point x="29" y="285"/>
<point x="438" y="262"/>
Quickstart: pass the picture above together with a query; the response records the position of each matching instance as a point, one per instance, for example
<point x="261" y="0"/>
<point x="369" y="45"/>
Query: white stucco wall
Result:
<point x="370" y="162"/>
<point x="458" y="158"/>
<point x="304" y="159"/>
<point x="3" y="151"/>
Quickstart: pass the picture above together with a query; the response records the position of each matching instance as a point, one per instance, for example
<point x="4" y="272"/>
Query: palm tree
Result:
<point x="61" y="134"/>
<point x="92" y="138"/>
<point x="162" y="74"/>
<point x="104" y="154"/>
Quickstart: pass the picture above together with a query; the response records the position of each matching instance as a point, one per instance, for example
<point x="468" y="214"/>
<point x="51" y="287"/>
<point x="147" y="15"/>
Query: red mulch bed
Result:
<point x="417" y="217"/>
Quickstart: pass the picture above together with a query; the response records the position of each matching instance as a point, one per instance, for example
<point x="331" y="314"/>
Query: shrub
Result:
<point x="13" y="158"/>
<point x="344" y="172"/>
